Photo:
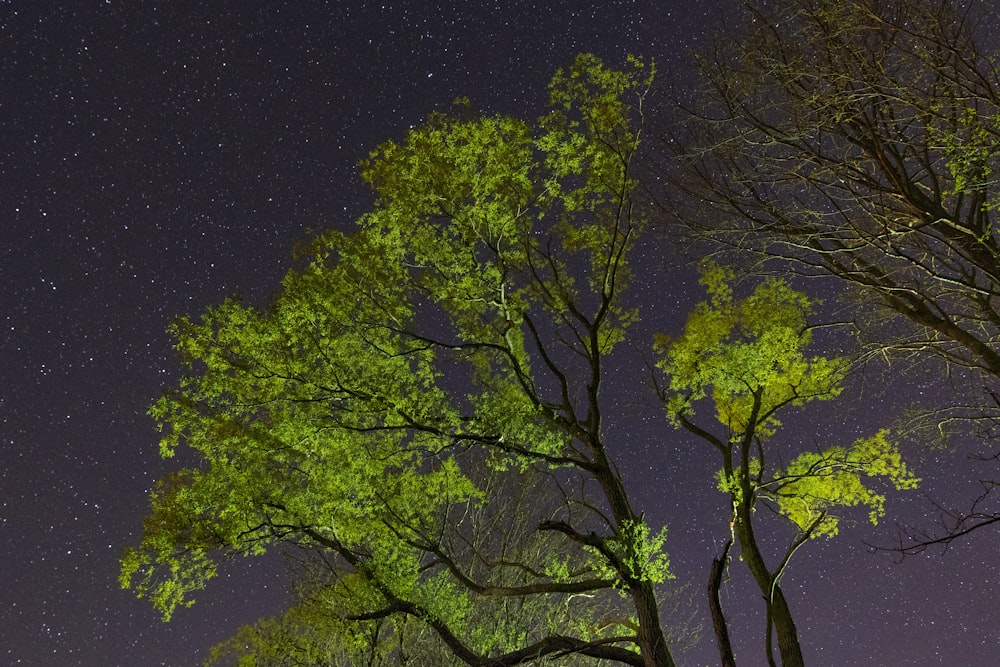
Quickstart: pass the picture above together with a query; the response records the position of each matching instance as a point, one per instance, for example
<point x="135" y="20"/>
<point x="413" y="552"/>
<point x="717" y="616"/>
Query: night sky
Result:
<point x="158" y="156"/>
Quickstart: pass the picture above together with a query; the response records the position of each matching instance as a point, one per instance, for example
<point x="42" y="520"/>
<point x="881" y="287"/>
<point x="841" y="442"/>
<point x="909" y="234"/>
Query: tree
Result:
<point x="747" y="357"/>
<point x="952" y="523"/>
<point x="859" y="139"/>
<point x="466" y="323"/>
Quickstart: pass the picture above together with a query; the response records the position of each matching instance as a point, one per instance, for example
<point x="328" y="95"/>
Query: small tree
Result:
<point x="748" y="359"/>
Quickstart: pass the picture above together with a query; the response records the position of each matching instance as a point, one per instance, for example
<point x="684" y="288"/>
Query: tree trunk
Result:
<point x="715" y="603"/>
<point x="652" y="643"/>
<point x="784" y="627"/>
<point x="777" y="606"/>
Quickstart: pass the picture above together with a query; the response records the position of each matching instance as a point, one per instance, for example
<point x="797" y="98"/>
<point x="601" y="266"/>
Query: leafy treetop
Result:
<point x="461" y="328"/>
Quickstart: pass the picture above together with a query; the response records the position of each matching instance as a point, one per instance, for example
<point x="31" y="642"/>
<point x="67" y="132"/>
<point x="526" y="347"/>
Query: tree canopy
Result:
<point x="421" y="409"/>
<point x="858" y="139"/>
<point x="463" y="325"/>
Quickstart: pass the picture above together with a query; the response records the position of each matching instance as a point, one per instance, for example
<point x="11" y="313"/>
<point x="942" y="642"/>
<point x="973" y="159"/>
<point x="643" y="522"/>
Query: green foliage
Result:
<point x="318" y="631"/>
<point x="645" y="558"/>
<point x="584" y="175"/>
<point x="967" y="139"/>
<point x="816" y="483"/>
<point x="749" y="356"/>
<point x="730" y="482"/>
<point x="640" y="553"/>
<point x="736" y="350"/>
<point x="356" y="413"/>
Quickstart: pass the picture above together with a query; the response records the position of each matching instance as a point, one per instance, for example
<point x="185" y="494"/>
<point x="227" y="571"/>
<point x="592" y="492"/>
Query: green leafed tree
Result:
<point x="748" y="359"/>
<point x="465" y="325"/>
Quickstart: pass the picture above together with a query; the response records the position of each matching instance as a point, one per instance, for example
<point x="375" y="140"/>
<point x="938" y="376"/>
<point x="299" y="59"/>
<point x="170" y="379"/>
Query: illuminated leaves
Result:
<point x="816" y="484"/>
<point x="358" y="413"/>
<point x="749" y="357"/>
<point x="646" y="559"/>
<point x="736" y="350"/>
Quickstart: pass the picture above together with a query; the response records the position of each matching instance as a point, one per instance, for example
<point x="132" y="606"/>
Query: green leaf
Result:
<point x="816" y="484"/>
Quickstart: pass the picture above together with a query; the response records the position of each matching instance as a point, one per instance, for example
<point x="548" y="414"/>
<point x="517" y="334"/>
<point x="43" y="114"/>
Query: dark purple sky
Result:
<point x="157" y="156"/>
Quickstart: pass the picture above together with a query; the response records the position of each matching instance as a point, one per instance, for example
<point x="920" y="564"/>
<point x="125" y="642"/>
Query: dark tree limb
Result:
<point x="719" y="625"/>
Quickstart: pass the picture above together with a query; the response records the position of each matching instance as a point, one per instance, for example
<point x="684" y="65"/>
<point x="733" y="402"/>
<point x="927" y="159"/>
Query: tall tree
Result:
<point x="466" y="323"/>
<point x="859" y="138"/>
<point x="747" y="357"/>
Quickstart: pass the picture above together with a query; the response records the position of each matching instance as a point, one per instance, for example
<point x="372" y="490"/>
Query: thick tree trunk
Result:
<point x="653" y="645"/>
<point x="784" y="627"/>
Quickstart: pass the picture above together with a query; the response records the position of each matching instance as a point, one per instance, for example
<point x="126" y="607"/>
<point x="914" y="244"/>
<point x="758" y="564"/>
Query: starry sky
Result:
<point x="158" y="156"/>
